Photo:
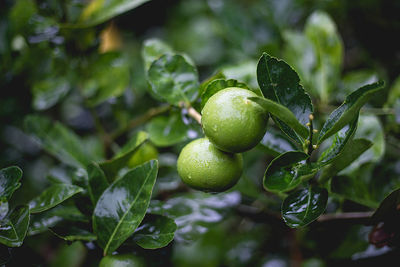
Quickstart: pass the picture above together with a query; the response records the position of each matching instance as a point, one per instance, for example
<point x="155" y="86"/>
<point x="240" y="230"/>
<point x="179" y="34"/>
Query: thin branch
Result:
<point x="140" y="120"/>
<point x="361" y="217"/>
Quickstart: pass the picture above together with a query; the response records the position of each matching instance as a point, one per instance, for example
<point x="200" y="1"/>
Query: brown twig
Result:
<point x="361" y="217"/>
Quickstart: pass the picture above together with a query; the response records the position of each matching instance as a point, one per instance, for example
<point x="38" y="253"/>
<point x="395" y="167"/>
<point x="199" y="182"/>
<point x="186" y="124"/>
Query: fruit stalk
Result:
<point x="194" y="114"/>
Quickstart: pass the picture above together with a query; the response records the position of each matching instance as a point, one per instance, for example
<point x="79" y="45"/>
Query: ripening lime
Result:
<point x="232" y="122"/>
<point x="204" y="167"/>
<point x="121" y="260"/>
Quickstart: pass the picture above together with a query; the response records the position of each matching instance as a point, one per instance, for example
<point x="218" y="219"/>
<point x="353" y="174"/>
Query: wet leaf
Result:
<point x="123" y="205"/>
<point x="339" y="142"/>
<point x="284" y="172"/>
<point x="167" y="130"/>
<point x="194" y="213"/>
<point x="40" y="222"/>
<point x="156" y="231"/>
<point x="346" y="112"/>
<point x="173" y="79"/>
<point x="14" y="227"/>
<point x="53" y="196"/>
<point x="304" y="206"/>
<point x="280" y="83"/>
<point x="9" y="181"/>
<point x="152" y="50"/>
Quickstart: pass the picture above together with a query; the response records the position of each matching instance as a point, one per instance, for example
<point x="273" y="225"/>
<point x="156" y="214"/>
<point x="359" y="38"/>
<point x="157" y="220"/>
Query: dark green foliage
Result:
<point x="86" y="86"/>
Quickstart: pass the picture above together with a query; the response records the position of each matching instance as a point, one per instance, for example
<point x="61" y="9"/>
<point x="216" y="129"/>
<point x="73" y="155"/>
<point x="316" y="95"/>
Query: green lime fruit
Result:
<point x="232" y="122"/>
<point x="204" y="167"/>
<point x="145" y="153"/>
<point x="121" y="260"/>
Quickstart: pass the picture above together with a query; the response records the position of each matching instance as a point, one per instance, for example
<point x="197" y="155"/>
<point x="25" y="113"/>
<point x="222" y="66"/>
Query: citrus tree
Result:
<point x="145" y="152"/>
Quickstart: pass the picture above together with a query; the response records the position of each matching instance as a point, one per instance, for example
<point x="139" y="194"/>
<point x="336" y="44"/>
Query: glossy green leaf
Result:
<point x="284" y="172"/>
<point x="14" y="227"/>
<point x="167" y="130"/>
<point x="351" y="151"/>
<point x="283" y="114"/>
<point x="280" y="83"/>
<point x="107" y="76"/>
<point x="275" y="143"/>
<point x="57" y="140"/>
<point x="40" y="222"/>
<point x="112" y="166"/>
<point x="346" y="112"/>
<point x="97" y="182"/>
<point x="195" y="212"/>
<point x="173" y="79"/>
<point x="72" y="233"/>
<point x="156" y="231"/>
<point x="48" y="92"/>
<point x="388" y="208"/>
<point x="9" y="181"/>
<point x="53" y="196"/>
<point x="304" y="206"/>
<point x="218" y="85"/>
<point x="321" y="31"/>
<point x="98" y="11"/>
<point x="339" y="142"/>
<point x="152" y="50"/>
<point x="122" y="207"/>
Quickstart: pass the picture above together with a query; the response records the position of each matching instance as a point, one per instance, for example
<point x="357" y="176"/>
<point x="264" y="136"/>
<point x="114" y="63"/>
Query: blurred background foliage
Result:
<point x="80" y="63"/>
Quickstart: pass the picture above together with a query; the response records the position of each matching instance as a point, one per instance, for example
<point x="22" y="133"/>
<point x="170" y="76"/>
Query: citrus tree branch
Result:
<point x="140" y="120"/>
